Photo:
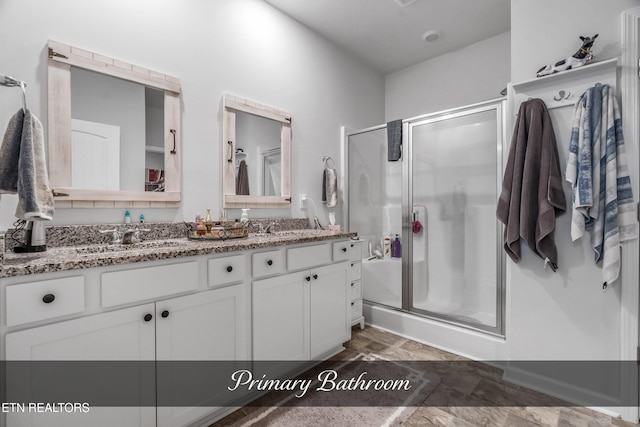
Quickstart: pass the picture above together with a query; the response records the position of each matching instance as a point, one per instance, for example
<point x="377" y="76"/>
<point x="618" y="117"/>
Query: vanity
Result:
<point x="281" y="297"/>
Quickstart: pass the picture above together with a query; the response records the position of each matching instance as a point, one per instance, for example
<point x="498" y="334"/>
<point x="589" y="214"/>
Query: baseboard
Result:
<point x="562" y="390"/>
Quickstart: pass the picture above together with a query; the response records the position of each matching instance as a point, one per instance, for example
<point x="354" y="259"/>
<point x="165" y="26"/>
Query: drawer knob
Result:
<point x="308" y="278"/>
<point x="315" y="277"/>
<point x="48" y="298"/>
<point x="344" y="249"/>
<point x="270" y="262"/>
<point x="165" y="314"/>
<point x="352" y="284"/>
<point x="148" y="317"/>
<point x="352" y="303"/>
<point x="229" y="269"/>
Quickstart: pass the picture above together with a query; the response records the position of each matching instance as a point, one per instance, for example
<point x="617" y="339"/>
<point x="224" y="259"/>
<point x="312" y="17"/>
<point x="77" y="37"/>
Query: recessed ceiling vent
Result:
<point x="404" y="3"/>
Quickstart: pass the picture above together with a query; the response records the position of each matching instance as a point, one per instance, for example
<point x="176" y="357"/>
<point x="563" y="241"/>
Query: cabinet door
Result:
<point x="208" y="326"/>
<point x="117" y="335"/>
<point x="330" y="308"/>
<point x="281" y="318"/>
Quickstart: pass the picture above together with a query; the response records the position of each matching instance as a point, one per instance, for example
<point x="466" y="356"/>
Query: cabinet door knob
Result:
<point x="165" y="314"/>
<point x="308" y="278"/>
<point x="352" y="303"/>
<point x="352" y="284"/>
<point x="270" y="262"/>
<point x="229" y="269"/>
<point x="148" y="317"/>
<point x="48" y="298"/>
<point x="344" y="249"/>
<point x="315" y="277"/>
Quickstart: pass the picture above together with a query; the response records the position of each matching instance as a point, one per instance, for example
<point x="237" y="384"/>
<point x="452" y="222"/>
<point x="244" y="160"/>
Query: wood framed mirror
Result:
<point x="256" y="155"/>
<point x="113" y="132"/>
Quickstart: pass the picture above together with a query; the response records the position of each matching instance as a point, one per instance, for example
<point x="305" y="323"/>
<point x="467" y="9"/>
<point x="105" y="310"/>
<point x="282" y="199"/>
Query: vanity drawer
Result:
<point x="308" y="256"/>
<point x="226" y="270"/>
<point x="355" y="251"/>
<point x="126" y="286"/>
<point x="355" y="271"/>
<point x="45" y="299"/>
<point x="355" y="291"/>
<point x="267" y="263"/>
<point x="356" y="309"/>
<point x="344" y="251"/>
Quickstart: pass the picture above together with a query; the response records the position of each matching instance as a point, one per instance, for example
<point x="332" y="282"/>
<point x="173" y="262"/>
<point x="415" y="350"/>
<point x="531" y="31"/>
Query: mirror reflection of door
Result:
<point x="138" y="112"/>
<point x="95" y="155"/>
<point x="271" y="172"/>
<point x="259" y="139"/>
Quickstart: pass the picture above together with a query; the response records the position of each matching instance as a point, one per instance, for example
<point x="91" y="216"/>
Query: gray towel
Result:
<point x="331" y="187"/>
<point x="532" y="193"/>
<point x="23" y="168"/>
<point x="242" y="180"/>
<point x="394" y="140"/>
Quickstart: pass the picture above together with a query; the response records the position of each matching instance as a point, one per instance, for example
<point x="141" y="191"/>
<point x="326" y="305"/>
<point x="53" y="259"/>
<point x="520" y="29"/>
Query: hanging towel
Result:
<point x="242" y="180"/>
<point x="394" y="140"/>
<point x="23" y="167"/>
<point x="598" y="172"/>
<point x="532" y="194"/>
<point x="330" y="187"/>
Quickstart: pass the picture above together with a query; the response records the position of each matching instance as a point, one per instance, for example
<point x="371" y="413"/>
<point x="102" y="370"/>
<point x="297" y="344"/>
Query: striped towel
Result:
<point x="598" y="172"/>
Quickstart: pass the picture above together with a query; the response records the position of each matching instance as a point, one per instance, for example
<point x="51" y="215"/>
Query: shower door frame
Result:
<point x="499" y="105"/>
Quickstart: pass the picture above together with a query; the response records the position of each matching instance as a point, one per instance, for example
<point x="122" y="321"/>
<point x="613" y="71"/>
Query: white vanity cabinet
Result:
<point x="280" y="303"/>
<point x="207" y="326"/>
<point x="302" y="315"/>
<point x="118" y="335"/>
<point x="355" y="283"/>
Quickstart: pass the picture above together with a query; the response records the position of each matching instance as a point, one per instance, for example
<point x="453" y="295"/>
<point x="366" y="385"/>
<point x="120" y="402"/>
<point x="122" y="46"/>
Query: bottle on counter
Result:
<point x="127" y="217"/>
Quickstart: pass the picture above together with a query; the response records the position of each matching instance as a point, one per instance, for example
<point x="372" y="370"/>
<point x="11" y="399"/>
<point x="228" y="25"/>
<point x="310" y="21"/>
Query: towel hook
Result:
<point x="561" y="95"/>
<point x="326" y="159"/>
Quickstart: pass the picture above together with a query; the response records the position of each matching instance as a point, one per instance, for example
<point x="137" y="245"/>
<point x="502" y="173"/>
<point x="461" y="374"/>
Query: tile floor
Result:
<point x="448" y="404"/>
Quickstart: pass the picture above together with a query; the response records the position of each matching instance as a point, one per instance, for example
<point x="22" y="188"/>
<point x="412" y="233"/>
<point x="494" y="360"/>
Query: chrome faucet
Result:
<point x="126" y="237"/>
<point x="266" y="229"/>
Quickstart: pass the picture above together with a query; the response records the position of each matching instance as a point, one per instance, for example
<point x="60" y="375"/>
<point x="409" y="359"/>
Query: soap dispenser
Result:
<point x="244" y="218"/>
<point x="127" y="217"/>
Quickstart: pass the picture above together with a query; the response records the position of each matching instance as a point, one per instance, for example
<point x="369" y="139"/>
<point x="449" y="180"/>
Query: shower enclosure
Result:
<point x="440" y="201"/>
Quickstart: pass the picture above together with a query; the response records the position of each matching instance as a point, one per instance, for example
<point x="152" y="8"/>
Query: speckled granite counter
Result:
<point x="76" y="257"/>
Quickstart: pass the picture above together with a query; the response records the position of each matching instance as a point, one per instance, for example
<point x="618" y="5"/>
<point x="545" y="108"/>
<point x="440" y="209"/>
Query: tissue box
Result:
<point x="335" y="227"/>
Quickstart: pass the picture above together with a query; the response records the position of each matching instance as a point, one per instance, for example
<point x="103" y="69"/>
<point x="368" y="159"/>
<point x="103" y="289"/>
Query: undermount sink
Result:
<point x="98" y="249"/>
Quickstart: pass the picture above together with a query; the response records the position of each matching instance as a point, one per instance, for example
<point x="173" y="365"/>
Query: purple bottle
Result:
<point x="397" y="248"/>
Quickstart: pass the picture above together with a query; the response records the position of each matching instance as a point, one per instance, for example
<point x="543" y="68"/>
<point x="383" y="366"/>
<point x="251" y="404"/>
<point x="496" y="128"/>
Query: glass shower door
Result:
<point x="375" y="212"/>
<point x="455" y="266"/>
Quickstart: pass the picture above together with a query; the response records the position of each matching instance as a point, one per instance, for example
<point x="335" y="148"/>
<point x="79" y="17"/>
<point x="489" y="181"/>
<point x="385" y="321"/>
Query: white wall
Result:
<point x="563" y="314"/>
<point x="473" y="74"/>
<point x="244" y="47"/>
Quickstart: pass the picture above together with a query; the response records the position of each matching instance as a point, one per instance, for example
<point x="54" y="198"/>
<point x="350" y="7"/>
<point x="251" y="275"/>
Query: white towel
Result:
<point x="598" y="171"/>
<point x="23" y="168"/>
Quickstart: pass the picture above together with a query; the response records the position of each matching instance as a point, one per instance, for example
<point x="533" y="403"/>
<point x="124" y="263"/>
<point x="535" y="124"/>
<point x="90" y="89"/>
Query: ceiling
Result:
<point x="389" y="37"/>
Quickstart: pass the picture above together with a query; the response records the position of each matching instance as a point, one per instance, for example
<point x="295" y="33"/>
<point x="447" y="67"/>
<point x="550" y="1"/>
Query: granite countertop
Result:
<point x="77" y="257"/>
